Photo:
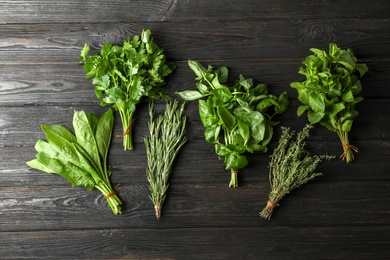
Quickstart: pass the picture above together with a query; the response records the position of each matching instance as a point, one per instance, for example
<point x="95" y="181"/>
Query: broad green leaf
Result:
<point x="227" y="119"/>
<point x="346" y="126"/>
<point x="315" y="117"/>
<point x="68" y="171"/>
<point x="36" y="164"/>
<point x="198" y="69"/>
<point x="85" y="135"/>
<point x="223" y="74"/>
<point x="93" y="121"/>
<point x="283" y="103"/>
<point x="211" y="133"/>
<point x="348" y="96"/>
<point x="206" y="113"/>
<point x="266" y="103"/>
<point x="87" y="163"/>
<point x="244" y="131"/>
<point x="246" y="83"/>
<point x="190" y="95"/>
<point x="336" y="108"/>
<point x="362" y="68"/>
<point x="233" y="161"/>
<point x="301" y="110"/>
<point x="317" y="102"/>
<point x="202" y="88"/>
<point x="103" y="133"/>
<point x="61" y="139"/>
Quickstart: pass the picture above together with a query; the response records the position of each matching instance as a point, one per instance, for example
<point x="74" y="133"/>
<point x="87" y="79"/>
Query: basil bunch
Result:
<point x="125" y="74"/>
<point x="81" y="158"/>
<point x="330" y="92"/>
<point x="235" y="117"/>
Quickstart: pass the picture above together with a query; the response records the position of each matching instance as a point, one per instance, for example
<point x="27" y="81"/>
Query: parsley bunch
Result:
<point x="237" y="118"/>
<point x="330" y="92"/>
<point x="125" y="74"/>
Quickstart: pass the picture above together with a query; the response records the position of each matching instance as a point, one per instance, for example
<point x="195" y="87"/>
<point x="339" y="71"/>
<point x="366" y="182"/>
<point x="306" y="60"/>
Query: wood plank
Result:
<point x="248" y="40"/>
<point x="202" y="205"/>
<point x="272" y="242"/>
<point x="37" y="11"/>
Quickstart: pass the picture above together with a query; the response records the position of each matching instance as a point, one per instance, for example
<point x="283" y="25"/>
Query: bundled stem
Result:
<point x="291" y="166"/>
<point x="167" y="136"/>
<point x="347" y="155"/>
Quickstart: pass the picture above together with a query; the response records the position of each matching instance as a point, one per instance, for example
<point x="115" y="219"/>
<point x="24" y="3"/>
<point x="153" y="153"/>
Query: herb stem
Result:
<point x="233" y="178"/>
<point x="347" y="155"/>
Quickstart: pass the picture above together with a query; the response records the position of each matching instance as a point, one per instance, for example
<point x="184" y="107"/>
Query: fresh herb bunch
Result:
<point x="80" y="158"/>
<point x="238" y="118"/>
<point x="330" y="92"/>
<point x="291" y="166"/>
<point x="125" y="74"/>
<point x="167" y="136"/>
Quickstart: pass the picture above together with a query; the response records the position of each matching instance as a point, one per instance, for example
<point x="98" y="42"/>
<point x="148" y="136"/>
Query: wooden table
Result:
<point x="344" y="214"/>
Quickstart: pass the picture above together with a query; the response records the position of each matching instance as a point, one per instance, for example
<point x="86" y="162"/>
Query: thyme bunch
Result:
<point x="291" y="166"/>
<point x="167" y="136"/>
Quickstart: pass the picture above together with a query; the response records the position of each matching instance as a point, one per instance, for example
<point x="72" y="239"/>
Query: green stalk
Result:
<point x="110" y="195"/>
<point x="127" y="121"/>
<point x="233" y="178"/>
<point x="347" y="155"/>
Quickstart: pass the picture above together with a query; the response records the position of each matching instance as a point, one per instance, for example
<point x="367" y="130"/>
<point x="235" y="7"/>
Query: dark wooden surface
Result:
<point x="344" y="214"/>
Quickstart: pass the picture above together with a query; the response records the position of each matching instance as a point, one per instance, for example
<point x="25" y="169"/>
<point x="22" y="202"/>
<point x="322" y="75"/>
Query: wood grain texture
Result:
<point x="37" y="11"/>
<point x="344" y="214"/>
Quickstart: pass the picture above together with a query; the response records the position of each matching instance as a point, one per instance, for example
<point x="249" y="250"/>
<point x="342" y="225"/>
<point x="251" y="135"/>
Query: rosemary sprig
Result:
<point x="291" y="166"/>
<point x="167" y="136"/>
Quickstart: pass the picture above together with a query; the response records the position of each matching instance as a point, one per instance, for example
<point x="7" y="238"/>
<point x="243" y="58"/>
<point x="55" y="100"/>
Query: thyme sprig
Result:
<point x="167" y="136"/>
<point x="291" y="166"/>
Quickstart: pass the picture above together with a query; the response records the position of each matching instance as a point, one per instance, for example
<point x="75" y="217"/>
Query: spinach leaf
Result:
<point x="81" y="158"/>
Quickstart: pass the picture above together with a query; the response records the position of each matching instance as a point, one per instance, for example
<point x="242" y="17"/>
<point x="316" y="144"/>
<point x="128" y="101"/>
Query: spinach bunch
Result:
<point x="80" y="158"/>
<point x="235" y="117"/>
<point x="125" y="74"/>
<point x="330" y="92"/>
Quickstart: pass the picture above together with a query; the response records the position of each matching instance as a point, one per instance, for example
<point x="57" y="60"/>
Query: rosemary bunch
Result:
<point x="167" y="136"/>
<point x="291" y="166"/>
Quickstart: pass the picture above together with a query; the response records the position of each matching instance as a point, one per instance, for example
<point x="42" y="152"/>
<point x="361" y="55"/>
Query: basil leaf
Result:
<point x="190" y="95"/>
<point x="226" y="118"/>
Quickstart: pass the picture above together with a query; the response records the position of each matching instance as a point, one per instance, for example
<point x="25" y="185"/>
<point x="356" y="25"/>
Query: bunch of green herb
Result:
<point x="329" y="93"/>
<point x="238" y="118"/>
<point x="291" y="166"/>
<point x="81" y="158"/>
<point x="125" y="74"/>
<point x="167" y="136"/>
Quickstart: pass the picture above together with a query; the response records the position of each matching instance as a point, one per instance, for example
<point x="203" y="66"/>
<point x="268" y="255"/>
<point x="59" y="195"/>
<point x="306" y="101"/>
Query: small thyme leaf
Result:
<point x="291" y="166"/>
<point x="166" y="138"/>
